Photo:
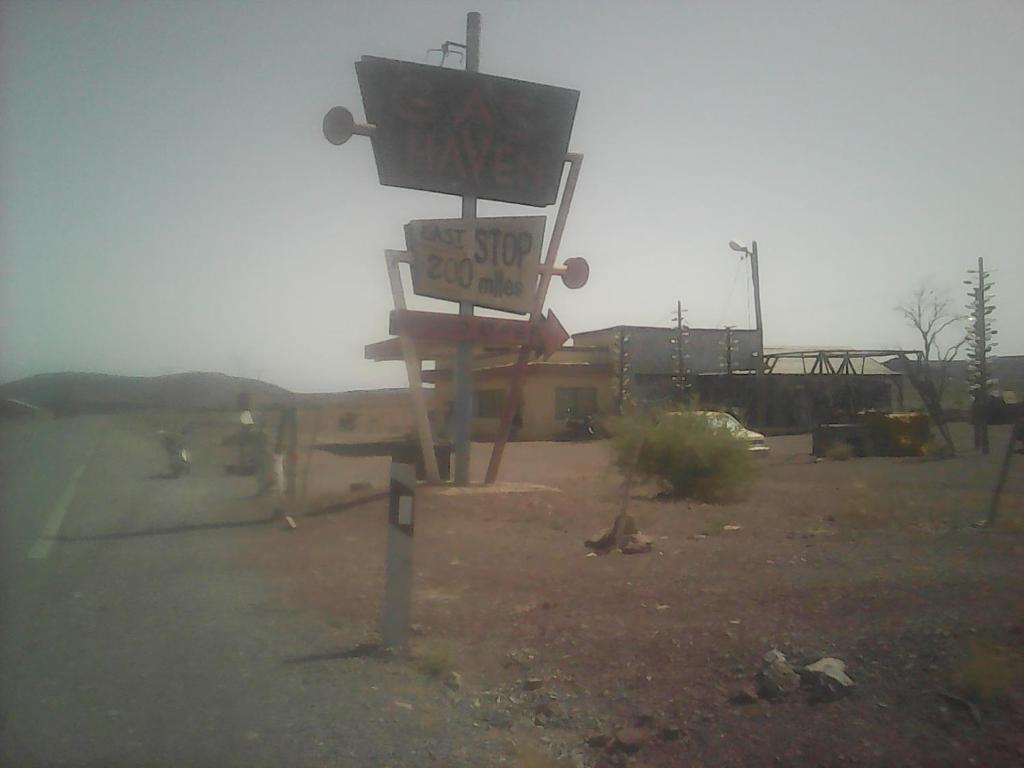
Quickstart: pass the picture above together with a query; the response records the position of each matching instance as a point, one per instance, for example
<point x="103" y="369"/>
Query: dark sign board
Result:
<point x="463" y="133"/>
<point x="437" y="327"/>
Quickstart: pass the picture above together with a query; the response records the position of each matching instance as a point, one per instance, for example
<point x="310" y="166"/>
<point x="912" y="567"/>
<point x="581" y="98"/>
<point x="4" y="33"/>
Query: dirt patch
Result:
<point x="872" y="561"/>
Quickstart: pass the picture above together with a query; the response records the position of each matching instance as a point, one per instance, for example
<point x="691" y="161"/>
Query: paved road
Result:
<point x="131" y="636"/>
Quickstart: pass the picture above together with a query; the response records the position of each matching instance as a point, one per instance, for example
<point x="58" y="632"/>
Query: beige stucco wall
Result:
<point x="539" y="420"/>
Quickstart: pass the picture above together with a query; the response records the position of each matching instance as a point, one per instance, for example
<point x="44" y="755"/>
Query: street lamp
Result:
<point x="759" y="400"/>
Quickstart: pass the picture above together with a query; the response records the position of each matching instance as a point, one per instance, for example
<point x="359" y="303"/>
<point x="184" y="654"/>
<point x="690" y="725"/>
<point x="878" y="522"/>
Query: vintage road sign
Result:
<point x="490" y="262"/>
<point x="437" y="327"/>
<point x="463" y="133"/>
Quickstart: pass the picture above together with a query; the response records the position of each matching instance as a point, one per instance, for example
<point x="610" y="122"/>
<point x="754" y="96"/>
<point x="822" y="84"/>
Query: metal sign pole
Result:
<point x="547" y="270"/>
<point x="394" y="624"/>
<point x="464" y="352"/>
<point x="761" y="395"/>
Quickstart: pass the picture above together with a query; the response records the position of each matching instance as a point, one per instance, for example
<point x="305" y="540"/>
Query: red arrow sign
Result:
<point x="436" y="327"/>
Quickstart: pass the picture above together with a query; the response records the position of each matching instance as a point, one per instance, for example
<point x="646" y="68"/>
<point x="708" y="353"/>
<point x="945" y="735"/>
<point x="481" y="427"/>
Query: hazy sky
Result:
<point x="168" y="202"/>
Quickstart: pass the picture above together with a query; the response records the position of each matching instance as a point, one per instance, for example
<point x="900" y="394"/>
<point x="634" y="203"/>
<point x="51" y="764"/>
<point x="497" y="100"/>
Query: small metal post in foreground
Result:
<point x="394" y="624"/>
<point x="464" y="351"/>
<point x="1016" y="435"/>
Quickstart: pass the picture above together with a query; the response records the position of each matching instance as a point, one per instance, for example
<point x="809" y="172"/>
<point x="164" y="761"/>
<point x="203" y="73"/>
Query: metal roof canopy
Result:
<point x="837" y="362"/>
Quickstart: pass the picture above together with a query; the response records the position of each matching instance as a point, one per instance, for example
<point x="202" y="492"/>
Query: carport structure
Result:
<point x="838" y="362"/>
<point x="806" y="386"/>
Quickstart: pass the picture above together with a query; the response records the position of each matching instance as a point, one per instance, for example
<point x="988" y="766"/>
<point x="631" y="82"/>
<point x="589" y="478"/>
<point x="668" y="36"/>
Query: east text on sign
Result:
<point x="491" y="262"/>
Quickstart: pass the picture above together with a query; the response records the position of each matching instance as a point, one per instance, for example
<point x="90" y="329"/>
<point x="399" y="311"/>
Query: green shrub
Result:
<point x="839" y="451"/>
<point x="685" y="454"/>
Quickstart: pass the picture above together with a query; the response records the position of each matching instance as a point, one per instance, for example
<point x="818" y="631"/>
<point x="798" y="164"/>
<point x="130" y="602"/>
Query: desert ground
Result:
<point x="876" y="561"/>
<point x="529" y="649"/>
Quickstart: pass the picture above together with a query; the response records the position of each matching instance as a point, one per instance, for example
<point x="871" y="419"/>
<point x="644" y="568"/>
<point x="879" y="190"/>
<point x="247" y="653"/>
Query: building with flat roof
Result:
<point x="651" y="366"/>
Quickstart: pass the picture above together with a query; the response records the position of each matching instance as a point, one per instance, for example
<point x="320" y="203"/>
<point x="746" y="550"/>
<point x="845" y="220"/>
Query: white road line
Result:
<point x="54" y="520"/>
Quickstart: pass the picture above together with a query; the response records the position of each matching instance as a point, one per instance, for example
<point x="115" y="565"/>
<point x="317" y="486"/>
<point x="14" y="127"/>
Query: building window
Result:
<point x="575" y="402"/>
<point x="487" y="403"/>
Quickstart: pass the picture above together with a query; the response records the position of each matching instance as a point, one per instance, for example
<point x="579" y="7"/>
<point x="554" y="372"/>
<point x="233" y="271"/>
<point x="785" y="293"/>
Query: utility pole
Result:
<point x="979" y="333"/>
<point x="760" y="395"/>
<point x="680" y="382"/>
<point x="728" y="349"/>
<point x="760" y="405"/>
<point x="464" y="352"/>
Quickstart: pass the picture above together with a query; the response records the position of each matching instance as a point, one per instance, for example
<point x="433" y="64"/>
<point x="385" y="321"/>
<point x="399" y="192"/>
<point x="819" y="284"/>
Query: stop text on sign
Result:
<point x="491" y="262"/>
<point x="463" y="133"/>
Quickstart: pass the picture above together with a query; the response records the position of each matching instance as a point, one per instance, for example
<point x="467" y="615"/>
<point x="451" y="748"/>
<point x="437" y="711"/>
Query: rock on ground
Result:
<point x="828" y="678"/>
<point x="777" y="677"/>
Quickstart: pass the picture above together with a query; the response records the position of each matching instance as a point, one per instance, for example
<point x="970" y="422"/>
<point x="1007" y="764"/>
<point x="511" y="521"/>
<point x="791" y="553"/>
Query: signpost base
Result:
<point x="394" y="624"/>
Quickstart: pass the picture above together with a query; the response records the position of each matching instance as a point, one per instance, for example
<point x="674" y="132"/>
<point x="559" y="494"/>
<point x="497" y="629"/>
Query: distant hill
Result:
<point x="104" y="393"/>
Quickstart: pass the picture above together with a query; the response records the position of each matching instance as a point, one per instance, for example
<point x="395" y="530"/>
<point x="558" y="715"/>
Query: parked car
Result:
<point x="756" y="442"/>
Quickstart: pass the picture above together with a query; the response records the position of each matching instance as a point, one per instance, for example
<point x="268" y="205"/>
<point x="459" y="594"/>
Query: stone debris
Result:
<point x="604" y="541"/>
<point x="599" y="741"/>
<point x="671" y="733"/>
<point x="636" y="544"/>
<point x="522" y="657"/>
<point x="745" y="695"/>
<point x="633" y="542"/>
<point x="545" y="716"/>
<point x="533" y="683"/>
<point x="498" y="718"/>
<point x="777" y="677"/>
<point x="629" y="739"/>
<point x="827" y="679"/>
<point x="453" y="681"/>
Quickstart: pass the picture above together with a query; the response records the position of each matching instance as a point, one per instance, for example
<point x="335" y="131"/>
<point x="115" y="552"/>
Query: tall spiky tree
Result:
<point x="622" y="378"/>
<point x="980" y="343"/>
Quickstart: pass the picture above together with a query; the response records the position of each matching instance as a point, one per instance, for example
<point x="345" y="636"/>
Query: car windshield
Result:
<point x="723" y="421"/>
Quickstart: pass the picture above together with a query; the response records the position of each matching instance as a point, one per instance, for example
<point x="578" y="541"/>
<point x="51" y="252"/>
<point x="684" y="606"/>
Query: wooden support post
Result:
<point x="413" y="371"/>
<point x="518" y="374"/>
<point x="300" y="506"/>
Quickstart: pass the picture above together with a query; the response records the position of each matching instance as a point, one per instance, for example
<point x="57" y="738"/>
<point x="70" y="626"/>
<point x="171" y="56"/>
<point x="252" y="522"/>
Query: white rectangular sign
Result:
<point x="491" y="262"/>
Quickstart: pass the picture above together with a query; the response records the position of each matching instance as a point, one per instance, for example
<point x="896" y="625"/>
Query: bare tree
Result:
<point x="930" y="311"/>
